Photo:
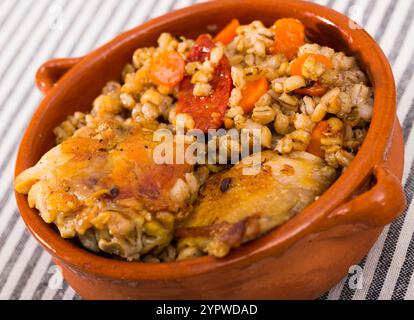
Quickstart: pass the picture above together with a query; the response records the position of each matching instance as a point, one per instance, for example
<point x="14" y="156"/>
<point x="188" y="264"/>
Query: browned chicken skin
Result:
<point x="234" y="208"/>
<point x="103" y="185"/>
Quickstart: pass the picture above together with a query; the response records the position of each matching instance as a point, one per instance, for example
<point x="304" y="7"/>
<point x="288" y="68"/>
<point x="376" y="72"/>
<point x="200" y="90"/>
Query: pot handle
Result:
<point x="51" y="71"/>
<point x="377" y="207"/>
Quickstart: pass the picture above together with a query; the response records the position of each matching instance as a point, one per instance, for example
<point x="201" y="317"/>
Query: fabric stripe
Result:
<point x="321" y="2"/>
<point x="103" y="25"/>
<point x="385" y="17"/>
<point x="131" y="13"/>
<point x="7" y="107"/>
<point x="110" y="21"/>
<point x="5" y="10"/>
<point x="390" y="233"/>
<point x="9" y="169"/>
<point x="171" y="6"/>
<point x="402" y="238"/>
<point x="11" y="55"/>
<point x="401" y="35"/>
<point x="159" y="8"/>
<point x="35" y="277"/>
<point x="41" y="288"/>
<point x="342" y="290"/>
<point x="60" y="293"/>
<point x="13" y="222"/>
<point x="410" y="291"/>
<point x="390" y="244"/>
<point x="9" y="247"/>
<point x="330" y="3"/>
<point x="408" y="122"/>
<point x="9" y="226"/>
<point x="11" y="23"/>
<point x="406" y="77"/>
<point x="408" y="21"/>
<point x="401" y="241"/>
<point x="13" y="142"/>
<point x="17" y="112"/>
<point x="407" y="268"/>
<point x="349" y="6"/>
<point x="406" y="99"/>
<point x="385" y="260"/>
<point x="69" y="294"/>
<point x="396" y="45"/>
<point x="406" y="274"/>
<point x="389" y="40"/>
<point x="377" y="12"/>
<point x="368" y="12"/>
<point x="385" y="20"/>
<point x="16" y="269"/>
<point x="341" y="5"/>
<point x="13" y="258"/>
<point x="26" y="275"/>
<point x="182" y="3"/>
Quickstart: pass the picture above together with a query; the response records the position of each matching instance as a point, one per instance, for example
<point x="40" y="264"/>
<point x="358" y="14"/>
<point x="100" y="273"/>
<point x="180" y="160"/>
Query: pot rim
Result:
<point x="276" y="241"/>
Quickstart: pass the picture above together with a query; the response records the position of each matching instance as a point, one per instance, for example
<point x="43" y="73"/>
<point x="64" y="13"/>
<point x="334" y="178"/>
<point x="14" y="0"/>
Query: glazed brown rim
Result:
<point x="280" y="239"/>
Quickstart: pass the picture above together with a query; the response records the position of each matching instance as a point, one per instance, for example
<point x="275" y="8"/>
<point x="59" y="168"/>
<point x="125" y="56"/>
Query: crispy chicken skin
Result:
<point x="234" y="208"/>
<point x="103" y="186"/>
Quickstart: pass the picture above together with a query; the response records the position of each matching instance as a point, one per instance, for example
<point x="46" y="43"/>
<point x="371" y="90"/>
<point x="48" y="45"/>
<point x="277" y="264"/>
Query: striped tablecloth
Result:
<point x="32" y="32"/>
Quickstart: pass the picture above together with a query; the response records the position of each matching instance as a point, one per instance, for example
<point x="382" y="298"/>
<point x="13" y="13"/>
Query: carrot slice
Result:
<point x="252" y="92"/>
<point x="315" y="143"/>
<point x="296" y="66"/>
<point x="315" y="90"/>
<point x="227" y="34"/>
<point x="289" y="37"/>
<point x="167" y="69"/>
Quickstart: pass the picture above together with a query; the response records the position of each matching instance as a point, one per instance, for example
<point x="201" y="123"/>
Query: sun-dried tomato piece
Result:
<point x="207" y="112"/>
<point x="315" y="90"/>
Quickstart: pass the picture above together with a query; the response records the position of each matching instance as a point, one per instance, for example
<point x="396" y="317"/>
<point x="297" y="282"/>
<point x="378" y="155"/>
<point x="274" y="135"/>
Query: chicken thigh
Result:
<point x="103" y="186"/>
<point x="234" y="208"/>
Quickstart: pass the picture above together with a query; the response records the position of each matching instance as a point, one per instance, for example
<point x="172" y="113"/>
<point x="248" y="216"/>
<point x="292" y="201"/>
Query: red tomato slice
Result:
<point x="207" y="112"/>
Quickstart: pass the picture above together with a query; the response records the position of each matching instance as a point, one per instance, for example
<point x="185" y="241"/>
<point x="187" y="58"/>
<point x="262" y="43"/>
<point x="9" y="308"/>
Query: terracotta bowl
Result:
<point x="303" y="258"/>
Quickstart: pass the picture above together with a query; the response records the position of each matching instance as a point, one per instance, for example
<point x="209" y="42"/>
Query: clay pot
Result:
<point x="302" y="258"/>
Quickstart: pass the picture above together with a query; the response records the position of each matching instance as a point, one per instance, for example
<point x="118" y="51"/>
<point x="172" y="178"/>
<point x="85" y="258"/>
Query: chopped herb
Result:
<point x="225" y="184"/>
<point x="114" y="192"/>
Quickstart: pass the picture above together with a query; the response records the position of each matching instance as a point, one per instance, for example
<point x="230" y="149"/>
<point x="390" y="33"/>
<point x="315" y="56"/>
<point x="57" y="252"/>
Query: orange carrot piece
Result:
<point x="315" y="90"/>
<point x="167" y="69"/>
<point x="315" y="143"/>
<point x="289" y="37"/>
<point x="296" y="66"/>
<point x="228" y="123"/>
<point x="252" y="92"/>
<point x="227" y="34"/>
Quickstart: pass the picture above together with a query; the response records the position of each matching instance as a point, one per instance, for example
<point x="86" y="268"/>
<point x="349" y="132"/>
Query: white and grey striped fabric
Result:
<point x="33" y="31"/>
